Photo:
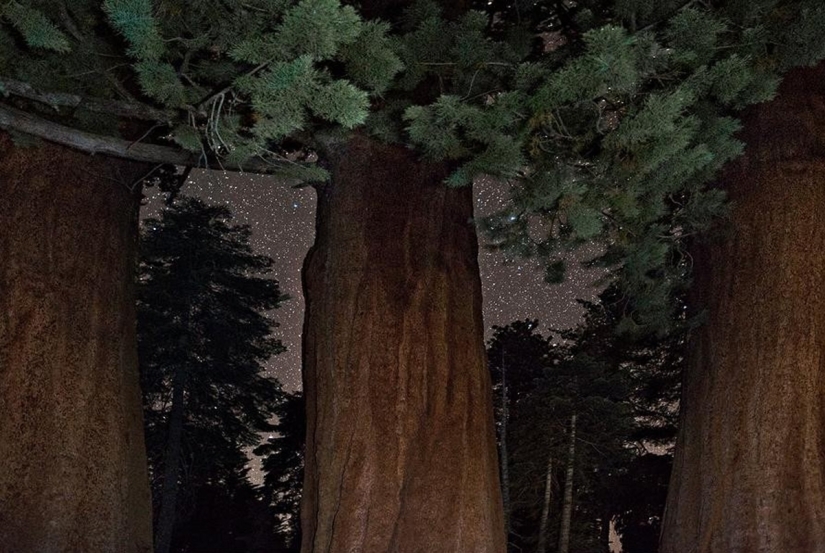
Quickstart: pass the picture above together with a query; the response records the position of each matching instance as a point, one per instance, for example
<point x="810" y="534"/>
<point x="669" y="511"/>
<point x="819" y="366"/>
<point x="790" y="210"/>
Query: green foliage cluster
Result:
<point x="625" y="137"/>
<point x="608" y="118"/>
<point x="234" y="90"/>
<point x="651" y="362"/>
<point x="135" y="21"/>
<point x="36" y="29"/>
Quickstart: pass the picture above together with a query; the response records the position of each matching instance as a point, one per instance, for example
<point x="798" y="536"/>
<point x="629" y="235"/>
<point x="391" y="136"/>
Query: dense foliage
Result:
<point x="624" y="391"/>
<point x="607" y="118"/>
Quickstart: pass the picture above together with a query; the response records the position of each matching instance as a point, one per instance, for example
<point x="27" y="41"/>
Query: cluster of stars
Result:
<point x="514" y="289"/>
<point x="282" y="219"/>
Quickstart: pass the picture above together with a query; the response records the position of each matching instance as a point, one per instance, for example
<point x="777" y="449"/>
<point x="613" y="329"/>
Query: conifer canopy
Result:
<point x="609" y="119"/>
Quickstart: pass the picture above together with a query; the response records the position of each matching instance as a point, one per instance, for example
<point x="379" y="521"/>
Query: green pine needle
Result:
<point x="134" y="20"/>
<point x="37" y="30"/>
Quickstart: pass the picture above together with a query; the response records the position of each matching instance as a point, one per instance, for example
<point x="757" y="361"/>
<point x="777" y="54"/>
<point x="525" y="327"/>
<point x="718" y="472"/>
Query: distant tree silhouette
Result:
<point x="622" y="390"/>
<point x="204" y="332"/>
<point x="283" y="467"/>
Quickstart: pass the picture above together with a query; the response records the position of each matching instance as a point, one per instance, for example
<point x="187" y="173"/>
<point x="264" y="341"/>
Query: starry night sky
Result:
<point x="282" y="220"/>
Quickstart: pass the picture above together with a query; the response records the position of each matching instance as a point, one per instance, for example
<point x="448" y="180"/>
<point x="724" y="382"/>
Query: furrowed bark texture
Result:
<point x="72" y="460"/>
<point x="749" y="473"/>
<point x="401" y="453"/>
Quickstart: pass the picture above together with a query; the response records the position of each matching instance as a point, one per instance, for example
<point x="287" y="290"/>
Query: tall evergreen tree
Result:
<point x="578" y="416"/>
<point x="608" y="118"/>
<point x="204" y="333"/>
<point x="633" y="493"/>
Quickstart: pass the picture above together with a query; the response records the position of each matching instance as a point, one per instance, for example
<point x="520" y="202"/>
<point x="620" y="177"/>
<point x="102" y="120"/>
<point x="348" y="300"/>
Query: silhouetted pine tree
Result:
<point x="204" y="334"/>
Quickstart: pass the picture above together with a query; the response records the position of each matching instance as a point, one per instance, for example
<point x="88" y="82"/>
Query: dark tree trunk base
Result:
<point x="401" y="452"/>
<point x="72" y="460"/>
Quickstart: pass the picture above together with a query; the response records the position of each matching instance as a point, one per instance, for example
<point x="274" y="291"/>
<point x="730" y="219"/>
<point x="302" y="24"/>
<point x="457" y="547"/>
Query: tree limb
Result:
<point x="12" y="119"/>
<point x="63" y="99"/>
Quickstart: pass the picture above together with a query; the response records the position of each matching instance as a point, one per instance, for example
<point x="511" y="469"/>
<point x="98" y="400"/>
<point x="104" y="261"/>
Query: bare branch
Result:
<point x="62" y="99"/>
<point x="201" y="107"/>
<point x="15" y="120"/>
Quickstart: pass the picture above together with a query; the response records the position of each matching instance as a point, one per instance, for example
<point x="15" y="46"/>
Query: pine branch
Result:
<point x="129" y="110"/>
<point x="203" y="105"/>
<point x="69" y="23"/>
<point x="676" y="10"/>
<point x="15" y="120"/>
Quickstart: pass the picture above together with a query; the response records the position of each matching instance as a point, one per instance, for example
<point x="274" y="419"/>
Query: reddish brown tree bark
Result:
<point x="749" y="473"/>
<point x="72" y="461"/>
<point x="401" y="452"/>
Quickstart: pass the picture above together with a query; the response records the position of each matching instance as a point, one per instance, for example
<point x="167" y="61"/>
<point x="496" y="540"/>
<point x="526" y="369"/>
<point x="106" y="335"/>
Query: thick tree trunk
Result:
<point x="749" y="474"/>
<point x="545" y="507"/>
<point x="171" y="467"/>
<point x="567" y="499"/>
<point x="401" y="453"/>
<point x="72" y="460"/>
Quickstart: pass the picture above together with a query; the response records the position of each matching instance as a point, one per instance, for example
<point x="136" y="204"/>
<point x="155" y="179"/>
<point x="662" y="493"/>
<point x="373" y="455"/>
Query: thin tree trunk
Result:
<point x="604" y="532"/>
<point x="171" y="467"/>
<point x="749" y="474"/>
<point x="72" y="459"/>
<point x="505" y="456"/>
<point x="567" y="505"/>
<point x="545" y="507"/>
<point x="401" y="452"/>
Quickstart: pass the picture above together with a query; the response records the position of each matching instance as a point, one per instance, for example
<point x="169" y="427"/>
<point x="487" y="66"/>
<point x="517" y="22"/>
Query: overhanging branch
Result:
<point x="12" y="119"/>
<point x="131" y="110"/>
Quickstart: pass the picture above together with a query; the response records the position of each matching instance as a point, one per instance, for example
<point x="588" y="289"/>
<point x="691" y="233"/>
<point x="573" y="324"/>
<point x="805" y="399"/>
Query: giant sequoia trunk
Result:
<point x="72" y="461"/>
<point x="401" y="453"/>
<point x="749" y="473"/>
